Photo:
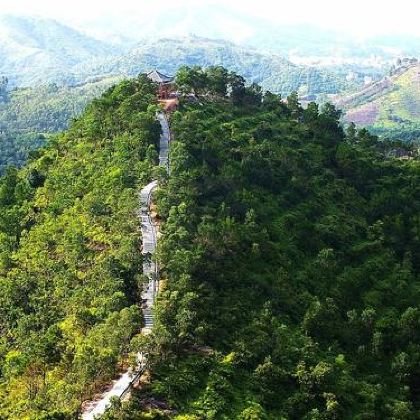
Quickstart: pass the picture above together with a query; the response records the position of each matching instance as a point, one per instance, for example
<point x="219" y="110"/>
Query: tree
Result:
<point x="4" y="81"/>
<point x="7" y="187"/>
<point x="293" y="104"/>
<point x="271" y="101"/>
<point x="217" y="80"/>
<point x="191" y="80"/>
<point x="253" y="95"/>
<point x="351" y="132"/>
<point x="311" y="113"/>
<point x="237" y="88"/>
<point x="330" y="111"/>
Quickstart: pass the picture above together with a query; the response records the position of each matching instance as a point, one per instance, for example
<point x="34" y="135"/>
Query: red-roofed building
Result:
<point x="166" y="83"/>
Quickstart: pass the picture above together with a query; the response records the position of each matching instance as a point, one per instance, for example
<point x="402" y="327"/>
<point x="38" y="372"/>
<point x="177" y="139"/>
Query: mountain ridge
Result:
<point x="43" y="50"/>
<point x="272" y="71"/>
<point x="33" y="50"/>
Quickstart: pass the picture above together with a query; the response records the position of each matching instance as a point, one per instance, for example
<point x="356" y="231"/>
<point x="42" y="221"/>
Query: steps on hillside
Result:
<point x="121" y="387"/>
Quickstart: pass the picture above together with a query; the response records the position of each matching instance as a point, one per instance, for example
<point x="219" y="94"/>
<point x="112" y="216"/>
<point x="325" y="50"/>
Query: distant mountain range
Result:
<point x="35" y="50"/>
<point x="272" y="71"/>
<point x="242" y="26"/>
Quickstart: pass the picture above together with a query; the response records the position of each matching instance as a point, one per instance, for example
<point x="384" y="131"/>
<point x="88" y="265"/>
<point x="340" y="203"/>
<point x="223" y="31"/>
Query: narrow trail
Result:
<point x="122" y="386"/>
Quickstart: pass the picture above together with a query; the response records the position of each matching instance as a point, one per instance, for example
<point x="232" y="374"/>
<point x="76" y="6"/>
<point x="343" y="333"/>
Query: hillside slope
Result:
<point x="49" y="108"/>
<point x="290" y="260"/>
<point x="391" y="106"/>
<point x="288" y="255"/>
<point x="30" y="115"/>
<point x="70" y="261"/>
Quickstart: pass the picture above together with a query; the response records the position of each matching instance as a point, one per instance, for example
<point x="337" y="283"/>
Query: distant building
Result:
<point x="166" y="83"/>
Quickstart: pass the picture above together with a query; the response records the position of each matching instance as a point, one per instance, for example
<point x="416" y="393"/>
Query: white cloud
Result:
<point x="360" y="17"/>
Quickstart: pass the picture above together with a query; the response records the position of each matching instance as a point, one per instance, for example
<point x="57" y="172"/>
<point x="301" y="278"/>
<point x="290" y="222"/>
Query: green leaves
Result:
<point x="69" y="254"/>
<point x="284" y="245"/>
<point x="287" y="257"/>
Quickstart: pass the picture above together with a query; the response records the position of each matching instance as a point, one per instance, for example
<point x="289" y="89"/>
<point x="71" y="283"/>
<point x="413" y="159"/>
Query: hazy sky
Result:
<point x="361" y="17"/>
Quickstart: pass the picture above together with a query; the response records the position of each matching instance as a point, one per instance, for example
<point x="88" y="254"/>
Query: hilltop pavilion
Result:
<point x="166" y="83"/>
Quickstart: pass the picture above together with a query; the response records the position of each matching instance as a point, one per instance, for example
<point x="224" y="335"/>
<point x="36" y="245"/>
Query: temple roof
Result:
<point x="158" y="77"/>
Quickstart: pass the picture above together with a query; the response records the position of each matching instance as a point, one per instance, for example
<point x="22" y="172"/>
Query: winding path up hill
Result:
<point x="150" y="289"/>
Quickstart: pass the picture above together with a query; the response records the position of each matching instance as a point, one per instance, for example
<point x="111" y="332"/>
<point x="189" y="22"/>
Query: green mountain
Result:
<point x="288" y="262"/>
<point x="15" y="149"/>
<point x="34" y="50"/>
<point x="390" y="107"/>
<point x="70" y="265"/>
<point x="70" y="69"/>
<point x="30" y="115"/>
<point x="49" y="107"/>
<point x="272" y="71"/>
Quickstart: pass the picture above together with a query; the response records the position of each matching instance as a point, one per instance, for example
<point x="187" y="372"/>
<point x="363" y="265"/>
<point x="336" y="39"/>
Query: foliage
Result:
<point x="29" y="115"/>
<point x="70" y="265"/>
<point x="288" y="256"/>
<point x="14" y="150"/>
<point x="290" y="250"/>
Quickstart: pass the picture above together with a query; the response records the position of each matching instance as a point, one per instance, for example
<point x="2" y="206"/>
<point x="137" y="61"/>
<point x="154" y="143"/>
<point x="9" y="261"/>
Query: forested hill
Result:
<point x="29" y="115"/>
<point x="70" y="261"/>
<point x="271" y="71"/>
<point x="290" y="251"/>
<point x="289" y="262"/>
<point x="57" y="86"/>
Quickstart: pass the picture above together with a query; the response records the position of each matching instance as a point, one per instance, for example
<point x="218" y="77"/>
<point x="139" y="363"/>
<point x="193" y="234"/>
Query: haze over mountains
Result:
<point x="282" y="33"/>
<point x="318" y="63"/>
<point x="34" y="50"/>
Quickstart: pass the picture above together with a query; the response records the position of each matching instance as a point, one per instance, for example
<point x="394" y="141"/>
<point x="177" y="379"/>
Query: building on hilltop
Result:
<point x="165" y="83"/>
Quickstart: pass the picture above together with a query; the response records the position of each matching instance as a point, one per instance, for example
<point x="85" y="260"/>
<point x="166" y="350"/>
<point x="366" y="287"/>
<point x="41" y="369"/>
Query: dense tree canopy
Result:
<point x="289" y="259"/>
<point x="290" y="253"/>
<point x="70" y="265"/>
<point x="28" y="116"/>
